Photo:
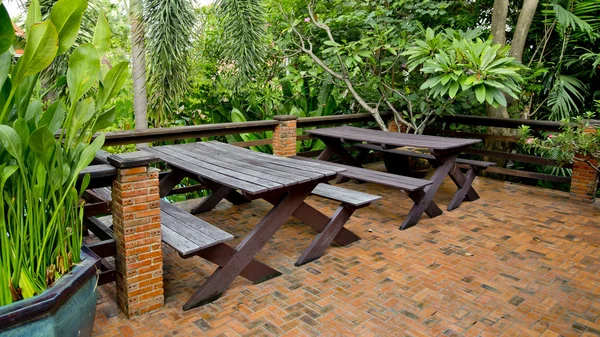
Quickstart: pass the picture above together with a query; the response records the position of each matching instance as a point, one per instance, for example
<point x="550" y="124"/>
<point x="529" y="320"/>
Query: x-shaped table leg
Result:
<point x="463" y="182"/>
<point x="222" y="278"/>
<point x="447" y="162"/>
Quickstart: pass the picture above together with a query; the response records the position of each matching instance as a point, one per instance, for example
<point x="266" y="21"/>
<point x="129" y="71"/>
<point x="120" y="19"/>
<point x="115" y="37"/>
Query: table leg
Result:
<point x="220" y="254"/>
<point x="446" y="161"/>
<point x="320" y="243"/>
<point x="318" y="221"/>
<point x="222" y="278"/>
<point x="464" y="187"/>
<point x="335" y="145"/>
<point x="432" y="210"/>
<point x="168" y="182"/>
<point x="212" y="200"/>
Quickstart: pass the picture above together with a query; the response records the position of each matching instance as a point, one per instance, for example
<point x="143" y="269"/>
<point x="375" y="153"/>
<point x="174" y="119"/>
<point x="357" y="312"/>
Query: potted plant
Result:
<point x="47" y="279"/>
<point x="579" y="140"/>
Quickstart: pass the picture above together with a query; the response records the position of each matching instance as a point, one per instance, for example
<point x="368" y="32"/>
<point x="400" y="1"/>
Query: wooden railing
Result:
<point x="211" y="130"/>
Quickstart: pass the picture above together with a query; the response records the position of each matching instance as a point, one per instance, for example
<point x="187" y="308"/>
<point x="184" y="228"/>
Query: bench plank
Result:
<point x="343" y="195"/>
<point x="471" y="162"/>
<point x="387" y="179"/>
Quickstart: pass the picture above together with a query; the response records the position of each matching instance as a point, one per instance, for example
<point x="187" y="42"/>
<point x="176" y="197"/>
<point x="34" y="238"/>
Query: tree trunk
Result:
<point x="498" y="30"/>
<point x="522" y="29"/>
<point x="138" y="65"/>
<point x="499" y="15"/>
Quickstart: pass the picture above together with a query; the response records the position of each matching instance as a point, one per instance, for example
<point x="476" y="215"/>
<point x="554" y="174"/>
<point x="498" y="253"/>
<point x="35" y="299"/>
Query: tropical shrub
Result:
<point x="46" y="143"/>
<point x="575" y="138"/>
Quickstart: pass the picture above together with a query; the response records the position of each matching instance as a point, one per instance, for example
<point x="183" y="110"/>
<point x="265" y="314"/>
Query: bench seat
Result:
<point x="470" y="162"/>
<point x="345" y="196"/>
<point x="408" y="184"/>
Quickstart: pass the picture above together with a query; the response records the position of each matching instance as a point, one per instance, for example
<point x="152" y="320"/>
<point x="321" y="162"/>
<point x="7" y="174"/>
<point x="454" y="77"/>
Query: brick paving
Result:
<point x="521" y="261"/>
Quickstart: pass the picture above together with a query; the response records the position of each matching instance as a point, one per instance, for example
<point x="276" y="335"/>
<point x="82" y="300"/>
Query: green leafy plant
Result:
<point x="46" y="144"/>
<point x="574" y="143"/>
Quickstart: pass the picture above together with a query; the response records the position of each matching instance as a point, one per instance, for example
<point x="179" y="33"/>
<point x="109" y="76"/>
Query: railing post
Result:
<point x="136" y="227"/>
<point x="284" y="136"/>
<point x="584" y="182"/>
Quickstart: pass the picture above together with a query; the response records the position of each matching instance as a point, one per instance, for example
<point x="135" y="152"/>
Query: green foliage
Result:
<point x="465" y="64"/>
<point x="573" y="139"/>
<point x="40" y="212"/>
<point x="169" y="27"/>
<point x="243" y="23"/>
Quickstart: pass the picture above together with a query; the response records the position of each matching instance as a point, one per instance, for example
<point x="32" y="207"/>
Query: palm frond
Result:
<point x="169" y="27"/>
<point x="244" y="31"/>
<point x="563" y="96"/>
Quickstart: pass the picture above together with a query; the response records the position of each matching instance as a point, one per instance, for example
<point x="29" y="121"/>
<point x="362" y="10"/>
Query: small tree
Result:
<point x="416" y="77"/>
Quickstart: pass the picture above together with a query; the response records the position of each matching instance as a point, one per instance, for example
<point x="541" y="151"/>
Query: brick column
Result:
<point x="284" y="136"/>
<point x="392" y="127"/>
<point x="585" y="179"/>
<point x="136" y="227"/>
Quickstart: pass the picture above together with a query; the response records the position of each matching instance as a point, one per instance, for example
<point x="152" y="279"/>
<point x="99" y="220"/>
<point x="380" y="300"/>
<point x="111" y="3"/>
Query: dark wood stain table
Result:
<point x="227" y="169"/>
<point x="444" y="149"/>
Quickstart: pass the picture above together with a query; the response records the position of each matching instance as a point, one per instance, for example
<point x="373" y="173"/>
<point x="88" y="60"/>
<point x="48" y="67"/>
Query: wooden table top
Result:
<point x="242" y="169"/>
<point x="395" y="139"/>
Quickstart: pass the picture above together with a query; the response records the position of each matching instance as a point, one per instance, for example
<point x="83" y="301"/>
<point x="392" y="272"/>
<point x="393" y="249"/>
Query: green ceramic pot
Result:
<point x="66" y="309"/>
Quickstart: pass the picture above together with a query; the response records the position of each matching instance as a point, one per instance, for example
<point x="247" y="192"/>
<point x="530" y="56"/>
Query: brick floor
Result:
<point x="521" y="261"/>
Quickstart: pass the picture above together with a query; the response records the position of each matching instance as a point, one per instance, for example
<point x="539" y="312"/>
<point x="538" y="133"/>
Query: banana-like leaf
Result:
<point x="7" y="32"/>
<point x="10" y="140"/>
<point x="5" y="60"/>
<point x="88" y="154"/>
<point x="42" y="144"/>
<point x="83" y="72"/>
<point x="34" y="15"/>
<point x="101" y="35"/>
<point x="112" y="83"/>
<point x="66" y="16"/>
<point x="40" y="50"/>
<point x="53" y="116"/>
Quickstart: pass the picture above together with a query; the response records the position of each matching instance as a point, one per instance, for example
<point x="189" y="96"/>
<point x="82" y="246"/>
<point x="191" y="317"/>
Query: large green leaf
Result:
<point x="101" y="34"/>
<point x="53" y="116"/>
<point x="112" y="83"/>
<point x="7" y="32"/>
<point x="10" y="140"/>
<point x="66" y="16"/>
<point x="84" y="111"/>
<point x="34" y="15"/>
<point x="105" y="120"/>
<point x="83" y="72"/>
<point x="42" y="144"/>
<point x="5" y="60"/>
<point x="40" y="50"/>
<point x="88" y="154"/>
<point x="22" y="130"/>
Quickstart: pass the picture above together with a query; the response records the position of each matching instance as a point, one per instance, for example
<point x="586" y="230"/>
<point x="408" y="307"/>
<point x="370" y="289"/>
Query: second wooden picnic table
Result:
<point x="444" y="149"/>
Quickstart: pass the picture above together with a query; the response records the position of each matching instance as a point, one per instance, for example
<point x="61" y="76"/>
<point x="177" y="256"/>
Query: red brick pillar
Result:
<point x="136" y="227"/>
<point x="393" y="127"/>
<point x="585" y="179"/>
<point x="284" y="136"/>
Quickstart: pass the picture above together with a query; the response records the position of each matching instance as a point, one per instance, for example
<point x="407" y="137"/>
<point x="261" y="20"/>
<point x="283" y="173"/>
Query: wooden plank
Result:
<point x="261" y="178"/>
<point x="178" y="242"/>
<point x="512" y="123"/>
<point x="393" y="138"/>
<point x="384" y="178"/>
<point x="200" y="168"/>
<point x="354" y="198"/>
<point x="313" y="167"/>
<point x="530" y="175"/>
<point x="191" y="227"/>
<point x="185" y="132"/>
<point x="103" y="248"/>
<point x="284" y="178"/>
<point x="516" y="157"/>
<point x="461" y="134"/>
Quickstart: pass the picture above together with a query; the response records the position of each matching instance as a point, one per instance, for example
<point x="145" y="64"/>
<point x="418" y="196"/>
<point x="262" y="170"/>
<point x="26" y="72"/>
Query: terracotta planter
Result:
<point x="66" y="309"/>
<point x="407" y="166"/>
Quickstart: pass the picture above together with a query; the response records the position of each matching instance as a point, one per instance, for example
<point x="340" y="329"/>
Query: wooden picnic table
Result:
<point x="241" y="175"/>
<point x="444" y="149"/>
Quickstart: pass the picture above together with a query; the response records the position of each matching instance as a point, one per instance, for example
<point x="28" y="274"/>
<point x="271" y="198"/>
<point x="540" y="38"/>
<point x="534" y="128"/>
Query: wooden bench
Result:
<point x="190" y="236"/>
<point x="476" y="164"/>
<point x="462" y="182"/>
<point x="412" y="186"/>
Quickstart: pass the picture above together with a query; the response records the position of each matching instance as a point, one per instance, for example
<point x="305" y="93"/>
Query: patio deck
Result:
<point x="520" y="261"/>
